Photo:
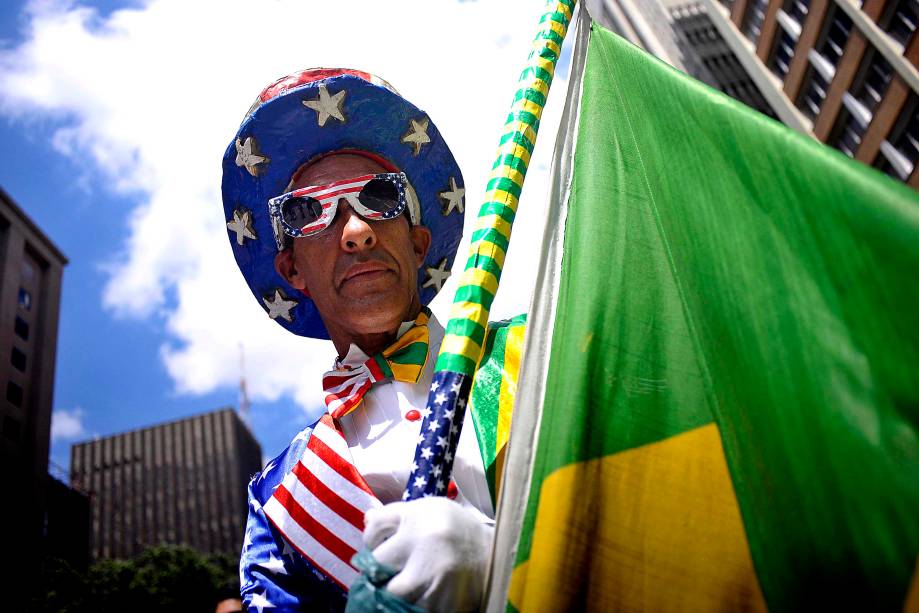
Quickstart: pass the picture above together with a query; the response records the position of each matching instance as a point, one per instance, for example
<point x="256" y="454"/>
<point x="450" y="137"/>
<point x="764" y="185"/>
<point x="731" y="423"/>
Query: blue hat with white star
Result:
<point x="313" y="113"/>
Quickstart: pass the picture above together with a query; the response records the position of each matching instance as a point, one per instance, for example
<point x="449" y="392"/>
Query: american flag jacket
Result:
<point x="306" y="506"/>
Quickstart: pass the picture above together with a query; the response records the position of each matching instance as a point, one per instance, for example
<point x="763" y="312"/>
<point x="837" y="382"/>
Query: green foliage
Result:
<point x="165" y="577"/>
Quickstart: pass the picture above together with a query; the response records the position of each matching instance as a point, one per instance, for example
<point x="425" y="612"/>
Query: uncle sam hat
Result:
<point x="310" y="114"/>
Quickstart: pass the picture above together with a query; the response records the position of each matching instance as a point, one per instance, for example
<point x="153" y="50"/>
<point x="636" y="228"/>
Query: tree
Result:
<point x="164" y="577"/>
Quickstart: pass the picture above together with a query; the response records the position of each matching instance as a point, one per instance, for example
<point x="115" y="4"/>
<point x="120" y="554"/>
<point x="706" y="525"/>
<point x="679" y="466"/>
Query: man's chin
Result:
<point x="374" y="312"/>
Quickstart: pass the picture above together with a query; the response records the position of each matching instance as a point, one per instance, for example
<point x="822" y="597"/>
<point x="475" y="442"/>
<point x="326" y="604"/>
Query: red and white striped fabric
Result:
<point x="345" y="386"/>
<point x="319" y="506"/>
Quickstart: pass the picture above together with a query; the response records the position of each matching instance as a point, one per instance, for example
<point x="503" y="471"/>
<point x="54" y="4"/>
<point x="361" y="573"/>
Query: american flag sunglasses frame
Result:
<point x="318" y="204"/>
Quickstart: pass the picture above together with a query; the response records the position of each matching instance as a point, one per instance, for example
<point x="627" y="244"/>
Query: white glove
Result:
<point x="439" y="548"/>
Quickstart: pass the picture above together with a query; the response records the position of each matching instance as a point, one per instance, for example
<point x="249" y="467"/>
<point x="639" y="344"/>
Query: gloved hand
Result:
<point x="439" y="548"/>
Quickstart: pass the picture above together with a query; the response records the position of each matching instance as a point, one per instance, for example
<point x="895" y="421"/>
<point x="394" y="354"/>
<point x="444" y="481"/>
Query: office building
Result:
<point x="182" y="482"/>
<point x="66" y="524"/>
<point x="31" y="268"/>
<point x="841" y="71"/>
<point x="680" y="33"/>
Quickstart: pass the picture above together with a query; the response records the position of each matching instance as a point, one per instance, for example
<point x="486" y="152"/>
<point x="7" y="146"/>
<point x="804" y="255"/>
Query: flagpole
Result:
<point x="465" y="332"/>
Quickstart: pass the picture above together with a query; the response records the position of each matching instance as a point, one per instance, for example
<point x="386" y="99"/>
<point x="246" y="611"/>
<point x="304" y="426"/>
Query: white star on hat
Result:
<point x="453" y="198"/>
<point x="242" y="225"/>
<point x="437" y="275"/>
<point x="417" y="135"/>
<point x="247" y="155"/>
<point x="327" y="105"/>
<point x="279" y="306"/>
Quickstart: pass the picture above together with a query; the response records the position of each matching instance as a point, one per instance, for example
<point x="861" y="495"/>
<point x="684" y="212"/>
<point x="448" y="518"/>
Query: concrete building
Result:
<point x="31" y="268"/>
<point x="182" y="482"/>
<point x="66" y="525"/>
<point x="842" y="71"/>
<point x="681" y="33"/>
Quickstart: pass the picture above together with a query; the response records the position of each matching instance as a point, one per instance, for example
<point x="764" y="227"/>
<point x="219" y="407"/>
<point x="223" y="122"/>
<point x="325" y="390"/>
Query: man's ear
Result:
<point x="287" y="268"/>
<point x="421" y="242"/>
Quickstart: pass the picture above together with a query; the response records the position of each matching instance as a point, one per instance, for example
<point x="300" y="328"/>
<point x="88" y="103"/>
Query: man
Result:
<point x="338" y="193"/>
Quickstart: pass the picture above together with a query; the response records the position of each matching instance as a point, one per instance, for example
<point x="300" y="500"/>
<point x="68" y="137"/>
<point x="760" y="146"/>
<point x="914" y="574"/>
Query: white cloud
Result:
<point x="149" y="98"/>
<point x="67" y="425"/>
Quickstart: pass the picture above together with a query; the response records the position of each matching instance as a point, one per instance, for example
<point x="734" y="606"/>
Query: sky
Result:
<point x="114" y="116"/>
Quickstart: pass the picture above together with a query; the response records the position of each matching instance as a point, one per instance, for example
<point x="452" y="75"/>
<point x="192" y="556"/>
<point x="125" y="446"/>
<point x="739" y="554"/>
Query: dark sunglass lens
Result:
<point x="379" y="195"/>
<point x="301" y="211"/>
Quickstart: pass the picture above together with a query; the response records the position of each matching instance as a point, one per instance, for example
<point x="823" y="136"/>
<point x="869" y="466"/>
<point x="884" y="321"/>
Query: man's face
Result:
<point x="361" y="274"/>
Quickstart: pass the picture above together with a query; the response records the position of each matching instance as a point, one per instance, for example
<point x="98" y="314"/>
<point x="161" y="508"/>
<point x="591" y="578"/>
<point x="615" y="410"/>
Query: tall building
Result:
<point x="680" y="33"/>
<point x="841" y="71"/>
<point x="31" y="268"/>
<point x="182" y="482"/>
<point x="66" y="525"/>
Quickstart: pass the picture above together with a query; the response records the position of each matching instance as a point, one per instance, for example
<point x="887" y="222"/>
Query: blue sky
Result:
<point x="108" y="368"/>
<point x="125" y="182"/>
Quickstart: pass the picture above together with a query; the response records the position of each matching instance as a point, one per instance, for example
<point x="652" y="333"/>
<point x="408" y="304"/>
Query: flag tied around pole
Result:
<point x="719" y="399"/>
<point x="465" y="335"/>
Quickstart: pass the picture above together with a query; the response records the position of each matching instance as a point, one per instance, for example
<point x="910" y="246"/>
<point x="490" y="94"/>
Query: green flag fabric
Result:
<point x="730" y="416"/>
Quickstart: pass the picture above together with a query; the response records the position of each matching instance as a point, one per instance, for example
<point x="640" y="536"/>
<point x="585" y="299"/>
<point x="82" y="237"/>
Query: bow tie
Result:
<point x="404" y="360"/>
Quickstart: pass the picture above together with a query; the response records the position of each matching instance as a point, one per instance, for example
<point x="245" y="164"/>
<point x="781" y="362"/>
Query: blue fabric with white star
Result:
<point x="272" y="575"/>
<point x="440" y="430"/>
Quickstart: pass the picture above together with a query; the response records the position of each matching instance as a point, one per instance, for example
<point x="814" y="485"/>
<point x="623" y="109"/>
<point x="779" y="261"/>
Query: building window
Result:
<point x="871" y="85"/>
<point x="25" y="299"/>
<point x="783" y="52"/>
<point x="14" y="393"/>
<point x="900" y="20"/>
<point x="797" y="10"/>
<point x="813" y="92"/>
<point x="860" y="103"/>
<point x="21" y="328"/>
<point x="833" y="41"/>
<point x="27" y="271"/>
<point x="851" y="126"/>
<point x="753" y="20"/>
<point x="18" y="359"/>
<point x="900" y="152"/>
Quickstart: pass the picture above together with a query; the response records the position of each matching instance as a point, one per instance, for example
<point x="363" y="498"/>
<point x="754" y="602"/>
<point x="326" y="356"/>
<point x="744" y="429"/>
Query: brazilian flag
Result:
<point x="725" y="364"/>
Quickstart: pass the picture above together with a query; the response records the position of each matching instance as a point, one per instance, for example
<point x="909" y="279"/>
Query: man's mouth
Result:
<point x="361" y="270"/>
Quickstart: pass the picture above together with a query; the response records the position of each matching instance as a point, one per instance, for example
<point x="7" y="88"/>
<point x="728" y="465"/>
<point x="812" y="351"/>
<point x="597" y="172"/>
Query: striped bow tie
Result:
<point x="403" y="361"/>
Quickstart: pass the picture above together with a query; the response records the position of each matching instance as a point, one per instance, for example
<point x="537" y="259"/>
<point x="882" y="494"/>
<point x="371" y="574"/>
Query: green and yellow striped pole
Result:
<point x="478" y="284"/>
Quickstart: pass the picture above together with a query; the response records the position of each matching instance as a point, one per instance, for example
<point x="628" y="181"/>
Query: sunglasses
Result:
<point x="310" y="210"/>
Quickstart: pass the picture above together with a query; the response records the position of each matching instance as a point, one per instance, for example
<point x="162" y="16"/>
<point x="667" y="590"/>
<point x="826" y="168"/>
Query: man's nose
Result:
<point x="356" y="234"/>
